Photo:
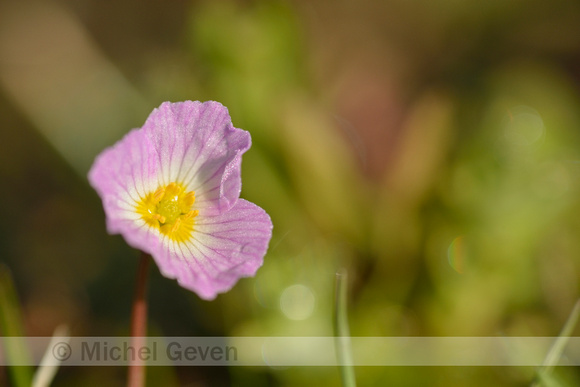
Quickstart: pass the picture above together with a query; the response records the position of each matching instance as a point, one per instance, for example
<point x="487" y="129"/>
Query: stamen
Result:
<point x="176" y="225"/>
<point x="159" y="217"/>
<point x="169" y="210"/>
<point x="189" y="199"/>
<point x="172" y="189"/>
<point x="191" y="214"/>
<point x="158" y="195"/>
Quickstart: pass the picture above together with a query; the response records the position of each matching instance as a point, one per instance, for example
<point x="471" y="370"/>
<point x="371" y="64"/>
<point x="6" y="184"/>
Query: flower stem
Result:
<point x="139" y="323"/>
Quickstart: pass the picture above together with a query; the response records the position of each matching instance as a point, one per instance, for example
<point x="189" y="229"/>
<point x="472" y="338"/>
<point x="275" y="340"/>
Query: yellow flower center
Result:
<point x="169" y="209"/>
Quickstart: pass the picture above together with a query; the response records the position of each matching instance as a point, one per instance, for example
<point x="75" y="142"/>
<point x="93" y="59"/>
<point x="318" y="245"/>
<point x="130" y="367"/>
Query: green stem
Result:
<point x="139" y="323"/>
<point x="342" y="331"/>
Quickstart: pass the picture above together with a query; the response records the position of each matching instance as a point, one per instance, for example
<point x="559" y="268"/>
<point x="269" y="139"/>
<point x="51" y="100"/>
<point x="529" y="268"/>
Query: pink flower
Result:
<point x="172" y="190"/>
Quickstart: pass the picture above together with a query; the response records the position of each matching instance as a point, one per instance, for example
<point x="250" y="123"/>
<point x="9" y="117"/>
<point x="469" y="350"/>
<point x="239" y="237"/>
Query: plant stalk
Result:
<point x="136" y="376"/>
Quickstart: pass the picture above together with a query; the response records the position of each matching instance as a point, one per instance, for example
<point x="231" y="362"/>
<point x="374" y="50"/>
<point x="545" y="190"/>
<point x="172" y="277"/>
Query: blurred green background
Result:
<point x="429" y="148"/>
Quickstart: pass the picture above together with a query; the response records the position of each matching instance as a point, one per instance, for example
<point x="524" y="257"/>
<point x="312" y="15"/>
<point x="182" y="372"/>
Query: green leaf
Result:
<point x="15" y="351"/>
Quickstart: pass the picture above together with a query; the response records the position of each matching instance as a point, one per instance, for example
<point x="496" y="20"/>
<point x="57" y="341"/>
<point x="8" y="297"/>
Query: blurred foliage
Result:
<point x="11" y="325"/>
<point x="431" y="149"/>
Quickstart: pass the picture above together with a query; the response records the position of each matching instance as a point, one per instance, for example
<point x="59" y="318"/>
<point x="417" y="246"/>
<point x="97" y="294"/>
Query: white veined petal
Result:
<point x="223" y="249"/>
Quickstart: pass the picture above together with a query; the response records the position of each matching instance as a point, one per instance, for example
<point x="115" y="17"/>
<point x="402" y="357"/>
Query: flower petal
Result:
<point x="224" y="248"/>
<point x="197" y="144"/>
<point x="121" y="175"/>
<point x="192" y="144"/>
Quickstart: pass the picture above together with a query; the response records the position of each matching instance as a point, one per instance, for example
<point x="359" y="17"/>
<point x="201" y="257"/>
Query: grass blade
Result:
<point x="15" y="351"/>
<point x="342" y="331"/>
<point x="557" y="348"/>
<point x="49" y="365"/>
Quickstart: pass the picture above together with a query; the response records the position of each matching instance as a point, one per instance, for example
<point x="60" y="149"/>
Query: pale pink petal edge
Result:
<point x="224" y="249"/>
